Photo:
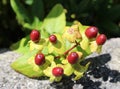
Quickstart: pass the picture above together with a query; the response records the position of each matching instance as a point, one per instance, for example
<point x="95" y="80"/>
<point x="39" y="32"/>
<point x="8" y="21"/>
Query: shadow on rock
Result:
<point x="66" y="83"/>
<point x="97" y="61"/>
<point x="97" y="69"/>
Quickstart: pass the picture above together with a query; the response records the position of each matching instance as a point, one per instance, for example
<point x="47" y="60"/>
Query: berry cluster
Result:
<point x="40" y="58"/>
<point x="92" y="32"/>
<point x="56" y="55"/>
<point x="72" y="57"/>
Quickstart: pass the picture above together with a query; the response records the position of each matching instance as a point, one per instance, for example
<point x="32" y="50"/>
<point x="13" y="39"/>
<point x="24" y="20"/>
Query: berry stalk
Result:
<point x="66" y="52"/>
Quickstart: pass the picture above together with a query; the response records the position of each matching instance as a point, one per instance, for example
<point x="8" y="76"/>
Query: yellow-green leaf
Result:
<point x="25" y="65"/>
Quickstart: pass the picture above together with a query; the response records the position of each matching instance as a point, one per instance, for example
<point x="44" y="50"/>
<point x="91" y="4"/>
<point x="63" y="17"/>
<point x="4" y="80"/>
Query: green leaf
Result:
<point x="29" y="2"/>
<point x="38" y="9"/>
<point x="110" y="27"/>
<point x="21" y="12"/>
<point x="55" y="20"/>
<point x="24" y="65"/>
<point x="21" y="46"/>
<point x="83" y="5"/>
<point x="36" y="24"/>
<point x="31" y="21"/>
<point x="114" y="12"/>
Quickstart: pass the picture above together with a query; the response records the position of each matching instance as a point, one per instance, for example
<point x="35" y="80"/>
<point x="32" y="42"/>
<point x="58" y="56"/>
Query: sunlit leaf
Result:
<point x="55" y="20"/>
<point x="24" y="65"/>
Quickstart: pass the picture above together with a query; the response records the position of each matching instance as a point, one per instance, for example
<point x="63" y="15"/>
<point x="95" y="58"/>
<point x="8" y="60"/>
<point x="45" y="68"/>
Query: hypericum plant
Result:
<point x="60" y="54"/>
<point x="56" y="50"/>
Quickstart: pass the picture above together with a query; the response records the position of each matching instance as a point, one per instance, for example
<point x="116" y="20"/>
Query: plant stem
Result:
<point x="66" y="52"/>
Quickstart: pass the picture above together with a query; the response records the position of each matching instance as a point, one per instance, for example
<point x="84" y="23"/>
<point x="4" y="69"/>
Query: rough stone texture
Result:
<point x="108" y="60"/>
<point x="113" y="48"/>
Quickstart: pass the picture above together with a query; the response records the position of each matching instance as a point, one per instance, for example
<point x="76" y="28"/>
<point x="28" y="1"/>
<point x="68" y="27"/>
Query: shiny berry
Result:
<point x="100" y="40"/>
<point x="39" y="59"/>
<point x="53" y="39"/>
<point x="72" y="57"/>
<point x="35" y="35"/>
<point x="57" y="71"/>
<point x="91" y="32"/>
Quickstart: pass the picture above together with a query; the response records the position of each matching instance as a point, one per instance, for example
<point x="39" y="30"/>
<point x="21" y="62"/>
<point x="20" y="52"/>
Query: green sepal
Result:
<point x="80" y="70"/>
<point x="72" y="33"/>
<point x="58" y="47"/>
<point x="50" y="58"/>
<point x="56" y="79"/>
<point x="48" y="72"/>
<point x="68" y="69"/>
<point x="39" y="45"/>
<point x="94" y="47"/>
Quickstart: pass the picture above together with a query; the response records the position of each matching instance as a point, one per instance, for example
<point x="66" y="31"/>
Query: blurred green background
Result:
<point x="105" y="14"/>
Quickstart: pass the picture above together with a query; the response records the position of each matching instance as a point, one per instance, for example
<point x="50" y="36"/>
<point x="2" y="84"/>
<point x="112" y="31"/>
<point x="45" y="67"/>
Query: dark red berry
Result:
<point x="91" y="32"/>
<point x="53" y="39"/>
<point x="57" y="71"/>
<point x="100" y="40"/>
<point x="39" y="59"/>
<point x="35" y="35"/>
<point x="72" y="57"/>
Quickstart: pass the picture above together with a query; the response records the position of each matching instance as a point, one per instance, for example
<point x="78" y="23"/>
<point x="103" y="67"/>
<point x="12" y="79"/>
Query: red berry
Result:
<point x="100" y="40"/>
<point x="57" y="71"/>
<point x="72" y="57"/>
<point x="35" y="35"/>
<point x="53" y="39"/>
<point x="91" y="32"/>
<point x="39" y="59"/>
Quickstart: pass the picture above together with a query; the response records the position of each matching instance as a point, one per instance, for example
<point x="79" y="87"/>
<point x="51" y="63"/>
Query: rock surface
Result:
<point x="104" y="72"/>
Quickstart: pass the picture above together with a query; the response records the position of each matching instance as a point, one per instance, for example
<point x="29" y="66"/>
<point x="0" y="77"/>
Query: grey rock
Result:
<point x="110" y="57"/>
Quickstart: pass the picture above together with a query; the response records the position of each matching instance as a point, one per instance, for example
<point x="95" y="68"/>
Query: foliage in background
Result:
<point x="10" y="31"/>
<point x="104" y="14"/>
